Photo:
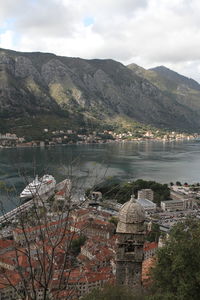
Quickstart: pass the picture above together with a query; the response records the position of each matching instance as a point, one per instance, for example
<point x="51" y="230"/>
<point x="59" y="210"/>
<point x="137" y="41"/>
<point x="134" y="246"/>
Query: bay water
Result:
<point x="89" y="164"/>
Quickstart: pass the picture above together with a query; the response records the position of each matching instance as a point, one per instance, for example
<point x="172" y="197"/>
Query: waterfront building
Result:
<point x="145" y="194"/>
<point x="148" y="205"/>
<point x="178" y="204"/>
<point x="172" y="205"/>
<point x="189" y="203"/>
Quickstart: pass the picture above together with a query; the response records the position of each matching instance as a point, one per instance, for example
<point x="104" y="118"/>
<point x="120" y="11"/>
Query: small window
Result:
<point x="129" y="247"/>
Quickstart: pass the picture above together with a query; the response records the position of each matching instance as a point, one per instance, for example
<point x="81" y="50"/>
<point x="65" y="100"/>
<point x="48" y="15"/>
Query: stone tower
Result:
<point x="129" y="253"/>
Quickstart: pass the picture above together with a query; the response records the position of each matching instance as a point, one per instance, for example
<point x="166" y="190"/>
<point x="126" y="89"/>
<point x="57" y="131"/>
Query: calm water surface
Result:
<point x="89" y="164"/>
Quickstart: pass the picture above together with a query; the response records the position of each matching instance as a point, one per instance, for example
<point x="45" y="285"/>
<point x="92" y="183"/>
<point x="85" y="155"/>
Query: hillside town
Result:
<point x="63" y="137"/>
<point x="64" y="247"/>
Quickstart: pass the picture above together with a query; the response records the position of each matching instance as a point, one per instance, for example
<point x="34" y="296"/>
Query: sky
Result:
<point x="149" y="33"/>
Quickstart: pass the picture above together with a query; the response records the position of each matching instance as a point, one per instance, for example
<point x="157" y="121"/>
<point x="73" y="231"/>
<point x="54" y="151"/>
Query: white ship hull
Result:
<point x="38" y="187"/>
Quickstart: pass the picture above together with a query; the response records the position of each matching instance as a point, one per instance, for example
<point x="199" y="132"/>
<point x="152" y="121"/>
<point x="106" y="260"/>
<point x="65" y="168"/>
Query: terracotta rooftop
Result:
<point x="150" y="246"/>
<point x="147" y="265"/>
<point x="6" y="243"/>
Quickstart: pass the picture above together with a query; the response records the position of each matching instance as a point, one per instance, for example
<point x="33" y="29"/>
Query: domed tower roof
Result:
<point x="131" y="217"/>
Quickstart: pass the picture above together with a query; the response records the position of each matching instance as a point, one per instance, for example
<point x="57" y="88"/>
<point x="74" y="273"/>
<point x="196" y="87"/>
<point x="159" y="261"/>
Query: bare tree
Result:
<point x="41" y="258"/>
<point x="42" y="246"/>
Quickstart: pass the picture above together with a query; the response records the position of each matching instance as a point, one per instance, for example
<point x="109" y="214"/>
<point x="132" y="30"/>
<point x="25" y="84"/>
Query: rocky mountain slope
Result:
<point x="37" y="84"/>
<point x="185" y="91"/>
<point x="175" y="77"/>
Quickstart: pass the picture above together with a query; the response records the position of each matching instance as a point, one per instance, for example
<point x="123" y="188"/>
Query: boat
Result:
<point x="38" y="187"/>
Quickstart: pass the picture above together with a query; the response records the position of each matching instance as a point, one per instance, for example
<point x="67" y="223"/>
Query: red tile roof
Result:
<point x="6" y="243"/>
<point x="147" y="265"/>
<point x="150" y="246"/>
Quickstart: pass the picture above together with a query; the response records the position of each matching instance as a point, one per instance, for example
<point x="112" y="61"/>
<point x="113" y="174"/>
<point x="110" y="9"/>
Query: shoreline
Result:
<point x="28" y="146"/>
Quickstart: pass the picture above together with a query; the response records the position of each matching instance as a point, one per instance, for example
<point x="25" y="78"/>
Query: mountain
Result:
<point x="37" y="85"/>
<point x="185" y="91"/>
<point x="175" y="77"/>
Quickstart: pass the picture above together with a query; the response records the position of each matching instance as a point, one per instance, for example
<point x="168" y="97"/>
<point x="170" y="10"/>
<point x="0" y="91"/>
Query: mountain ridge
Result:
<point x="37" y="83"/>
<point x="185" y="90"/>
<point x="172" y="75"/>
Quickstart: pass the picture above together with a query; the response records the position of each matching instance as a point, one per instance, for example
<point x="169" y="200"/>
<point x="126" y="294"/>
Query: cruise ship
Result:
<point x="38" y="187"/>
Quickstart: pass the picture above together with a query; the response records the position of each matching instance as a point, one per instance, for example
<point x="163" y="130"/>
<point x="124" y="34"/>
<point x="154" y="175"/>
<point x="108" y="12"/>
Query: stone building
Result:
<point x="129" y="252"/>
<point x="146" y="194"/>
<point x="148" y="205"/>
<point x="178" y="204"/>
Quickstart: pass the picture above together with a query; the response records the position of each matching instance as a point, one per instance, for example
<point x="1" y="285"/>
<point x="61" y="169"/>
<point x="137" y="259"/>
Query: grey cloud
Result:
<point x="113" y="7"/>
<point x="11" y="9"/>
<point x="49" y="18"/>
<point x="118" y="51"/>
<point x="148" y="31"/>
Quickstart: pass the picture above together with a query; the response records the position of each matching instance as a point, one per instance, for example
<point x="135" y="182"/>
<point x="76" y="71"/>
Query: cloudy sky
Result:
<point x="146" y="32"/>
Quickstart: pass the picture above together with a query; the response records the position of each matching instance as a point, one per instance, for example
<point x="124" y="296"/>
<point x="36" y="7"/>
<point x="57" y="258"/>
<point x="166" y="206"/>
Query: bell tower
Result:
<point x="129" y="253"/>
